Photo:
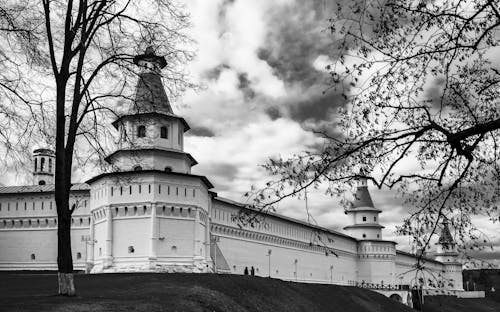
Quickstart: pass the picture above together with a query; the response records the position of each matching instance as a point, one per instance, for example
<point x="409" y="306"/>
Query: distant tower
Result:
<point x="364" y="216"/>
<point x="447" y="253"/>
<point x="43" y="166"/>
<point x="446" y="246"/>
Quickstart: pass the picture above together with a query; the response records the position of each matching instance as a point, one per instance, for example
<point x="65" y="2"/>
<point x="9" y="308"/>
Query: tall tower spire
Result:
<point x="151" y="135"/>
<point x="446" y="246"/>
<point x="150" y="95"/>
<point x="447" y="253"/>
<point x="364" y="215"/>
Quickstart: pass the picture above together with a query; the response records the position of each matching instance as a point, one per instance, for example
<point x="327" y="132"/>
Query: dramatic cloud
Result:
<point x="262" y="66"/>
<point x="201" y="131"/>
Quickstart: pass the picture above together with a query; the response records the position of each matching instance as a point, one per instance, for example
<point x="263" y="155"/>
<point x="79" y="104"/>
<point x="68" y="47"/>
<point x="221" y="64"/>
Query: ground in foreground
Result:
<point x="184" y="292"/>
<point x="24" y="291"/>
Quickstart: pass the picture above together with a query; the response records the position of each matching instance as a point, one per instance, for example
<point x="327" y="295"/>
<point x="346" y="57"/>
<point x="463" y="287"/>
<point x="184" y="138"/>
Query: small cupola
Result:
<point x="44" y="166"/>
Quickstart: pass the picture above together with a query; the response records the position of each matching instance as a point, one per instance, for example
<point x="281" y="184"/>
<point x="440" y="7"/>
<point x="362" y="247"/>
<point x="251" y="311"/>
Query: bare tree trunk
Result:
<point x="62" y="192"/>
<point x="64" y="255"/>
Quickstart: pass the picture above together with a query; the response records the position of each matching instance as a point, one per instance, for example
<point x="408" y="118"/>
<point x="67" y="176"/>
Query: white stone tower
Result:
<point x="150" y="213"/>
<point x="44" y="165"/>
<point x="376" y="257"/>
<point x="151" y="135"/>
<point x="364" y="216"/>
<point x="447" y="253"/>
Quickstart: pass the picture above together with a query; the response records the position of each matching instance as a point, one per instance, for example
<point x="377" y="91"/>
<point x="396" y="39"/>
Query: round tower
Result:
<point x="364" y="216"/>
<point x="43" y="166"/>
<point x="447" y="253"/>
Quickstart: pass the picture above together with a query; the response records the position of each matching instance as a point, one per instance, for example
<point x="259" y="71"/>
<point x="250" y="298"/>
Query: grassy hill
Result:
<point x="185" y="292"/>
<point x="26" y="291"/>
<point x="484" y="279"/>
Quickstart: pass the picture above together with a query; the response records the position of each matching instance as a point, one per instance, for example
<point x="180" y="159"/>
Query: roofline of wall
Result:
<point x="243" y="206"/>
<point x="205" y="180"/>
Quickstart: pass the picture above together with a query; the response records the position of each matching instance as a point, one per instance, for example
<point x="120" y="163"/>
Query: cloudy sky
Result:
<point x="262" y="67"/>
<point x="261" y="64"/>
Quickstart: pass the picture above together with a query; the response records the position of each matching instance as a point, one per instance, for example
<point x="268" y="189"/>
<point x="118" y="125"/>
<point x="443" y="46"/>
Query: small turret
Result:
<point x="446" y="246"/>
<point x="43" y="166"/>
<point x="364" y="215"/>
<point x="151" y="135"/>
<point x="447" y="253"/>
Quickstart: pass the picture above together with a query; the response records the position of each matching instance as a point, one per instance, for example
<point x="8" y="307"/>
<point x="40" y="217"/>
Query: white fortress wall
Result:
<point x="406" y="271"/>
<point x="296" y="251"/>
<point x="28" y="231"/>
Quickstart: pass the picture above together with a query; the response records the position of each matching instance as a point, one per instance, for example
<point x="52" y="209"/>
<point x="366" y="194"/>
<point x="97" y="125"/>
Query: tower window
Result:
<point x="137" y="168"/>
<point x="78" y="255"/>
<point x="164" y="132"/>
<point x="131" y="249"/>
<point x="50" y="164"/>
<point x="375" y="219"/>
<point x="36" y="163"/>
<point x="364" y="219"/>
<point x="141" y="131"/>
<point x="179" y="138"/>
<point x="364" y="235"/>
<point x="41" y="182"/>
<point x="42" y="164"/>
<point x="168" y="169"/>
<point x="32" y="256"/>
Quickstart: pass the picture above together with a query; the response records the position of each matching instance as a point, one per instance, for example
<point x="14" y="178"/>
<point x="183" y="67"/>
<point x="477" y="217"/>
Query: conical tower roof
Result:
<point x="150" y="95"/>
<point x="362" y="198"/>
<point x="445" y="237"/>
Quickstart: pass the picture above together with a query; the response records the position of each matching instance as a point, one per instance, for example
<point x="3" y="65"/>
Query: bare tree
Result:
<point x="422" y="114"/>
<point x="76" y="57"/>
